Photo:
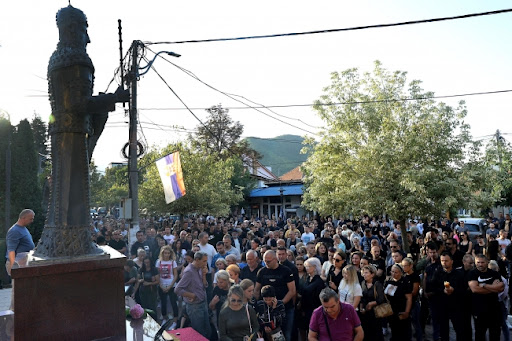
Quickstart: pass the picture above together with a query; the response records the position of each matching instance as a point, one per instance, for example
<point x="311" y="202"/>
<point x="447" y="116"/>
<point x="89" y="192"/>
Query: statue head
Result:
<point x="72" y="25"/>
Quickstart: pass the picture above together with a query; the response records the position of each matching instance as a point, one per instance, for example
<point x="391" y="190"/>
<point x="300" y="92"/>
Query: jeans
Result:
<point x="287" y="326"/>
<point x="504" y="326"/>
<point x="199" y="319"/>
<point x="415" y="320"/>
<point x="434" y="313"/>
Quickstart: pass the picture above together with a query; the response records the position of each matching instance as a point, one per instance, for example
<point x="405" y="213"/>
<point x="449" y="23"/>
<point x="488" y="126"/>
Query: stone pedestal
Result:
<point x="79" y="299"/>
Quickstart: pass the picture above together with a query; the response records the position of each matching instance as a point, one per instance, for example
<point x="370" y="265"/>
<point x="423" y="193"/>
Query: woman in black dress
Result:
<point x="311" y="290"/>
<point x="373" y="294"/>
<point x="335" y="274"/>
<point x="148" y="287"/>
<point x="399" y="293"/>
<point x="465" y="245"/>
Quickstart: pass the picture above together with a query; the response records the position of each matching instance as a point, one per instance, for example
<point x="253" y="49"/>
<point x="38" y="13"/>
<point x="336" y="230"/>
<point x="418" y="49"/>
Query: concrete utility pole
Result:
<point x="498" y="139"/>
<point x="133" y="172"/>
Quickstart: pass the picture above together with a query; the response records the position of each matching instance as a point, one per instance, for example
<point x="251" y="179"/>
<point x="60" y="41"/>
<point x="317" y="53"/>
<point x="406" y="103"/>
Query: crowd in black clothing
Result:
<point x="362" y="260"/>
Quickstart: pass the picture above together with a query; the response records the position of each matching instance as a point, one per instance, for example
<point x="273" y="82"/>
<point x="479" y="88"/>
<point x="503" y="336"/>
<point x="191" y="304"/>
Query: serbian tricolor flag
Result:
<point x="171" y="174"/>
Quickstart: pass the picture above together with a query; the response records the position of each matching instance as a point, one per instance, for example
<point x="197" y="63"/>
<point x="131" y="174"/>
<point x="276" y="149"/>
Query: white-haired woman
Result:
<point x="310" y="291"/>
<point x="350" y="290"/>
<point x="356" y="244"/>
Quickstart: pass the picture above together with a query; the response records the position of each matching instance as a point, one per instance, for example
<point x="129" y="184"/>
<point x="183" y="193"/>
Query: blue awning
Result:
<point x="275" y="191"/>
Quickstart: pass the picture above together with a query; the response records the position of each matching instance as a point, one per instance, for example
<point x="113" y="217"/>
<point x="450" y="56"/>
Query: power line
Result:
<point x="195" y="116"/>
<point x="168" y="128"/>
<point x="233" y="98"/>
<point x="356" y="28"/>
<point x="350" y="103"/>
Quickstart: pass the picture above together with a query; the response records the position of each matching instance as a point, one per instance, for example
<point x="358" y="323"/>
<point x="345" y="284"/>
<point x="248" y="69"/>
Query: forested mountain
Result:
<point x="280" y="153"/>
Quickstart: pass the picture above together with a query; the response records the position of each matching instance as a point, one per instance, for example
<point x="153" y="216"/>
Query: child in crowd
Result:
<point x="271" y="314"/>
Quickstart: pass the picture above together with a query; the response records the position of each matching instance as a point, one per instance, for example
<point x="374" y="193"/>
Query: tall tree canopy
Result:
<point x="390" y="149"/>
<point x="208" y="182"/>
<point x="221" y="135"/>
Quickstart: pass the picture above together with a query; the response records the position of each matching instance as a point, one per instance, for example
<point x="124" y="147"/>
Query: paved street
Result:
<point x="5" y="299"/>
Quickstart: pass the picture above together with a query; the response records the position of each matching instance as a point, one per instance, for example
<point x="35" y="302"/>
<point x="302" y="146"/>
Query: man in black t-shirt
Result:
<point x="379" y="263"/>
<point x="485" y="284"/>
<point x="449" y="284"/>
<point x="117" y="243"/>
<point x="434" y="299"/>
<point x="450" y="245"/>
<point x="283" y="260"/>
<point x="281" y="278"/>
<point x="139" y="244"/>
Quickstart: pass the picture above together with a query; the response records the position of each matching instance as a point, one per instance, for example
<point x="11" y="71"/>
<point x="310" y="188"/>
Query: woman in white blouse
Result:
<point x="349" y="289"/>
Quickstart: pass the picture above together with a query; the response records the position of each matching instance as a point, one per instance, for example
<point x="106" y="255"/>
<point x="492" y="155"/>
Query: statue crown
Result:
<point x="70" y="15"/>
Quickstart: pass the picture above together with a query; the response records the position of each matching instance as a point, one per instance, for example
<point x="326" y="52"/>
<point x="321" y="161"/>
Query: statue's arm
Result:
<point x="106" y="102"/>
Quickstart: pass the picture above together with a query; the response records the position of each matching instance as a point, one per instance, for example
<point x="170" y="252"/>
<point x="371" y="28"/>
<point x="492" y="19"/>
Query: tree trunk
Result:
<point x="403" y="228"/>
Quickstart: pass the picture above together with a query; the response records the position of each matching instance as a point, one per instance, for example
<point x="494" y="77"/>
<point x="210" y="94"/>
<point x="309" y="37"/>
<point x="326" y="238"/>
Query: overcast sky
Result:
<point x="451" y="57"/>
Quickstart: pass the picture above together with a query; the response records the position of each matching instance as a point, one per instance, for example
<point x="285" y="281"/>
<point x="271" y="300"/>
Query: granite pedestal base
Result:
<point x="80" y="299"/>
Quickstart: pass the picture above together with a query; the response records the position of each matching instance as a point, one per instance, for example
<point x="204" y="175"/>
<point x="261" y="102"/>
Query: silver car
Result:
<point x="476" y="227"/>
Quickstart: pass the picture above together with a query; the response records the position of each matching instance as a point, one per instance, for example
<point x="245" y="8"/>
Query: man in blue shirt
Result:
<point x="19" y="240"/>
<point x="19" y="243"/>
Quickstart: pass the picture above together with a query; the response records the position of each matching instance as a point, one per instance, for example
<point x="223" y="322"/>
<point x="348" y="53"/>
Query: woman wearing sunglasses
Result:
<point x="237" y="322"/>
<point x="335" y="275"/>
<point x="465" y="245"/>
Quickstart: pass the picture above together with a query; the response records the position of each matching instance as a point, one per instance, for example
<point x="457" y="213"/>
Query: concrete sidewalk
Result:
<point x="5" y="298"/>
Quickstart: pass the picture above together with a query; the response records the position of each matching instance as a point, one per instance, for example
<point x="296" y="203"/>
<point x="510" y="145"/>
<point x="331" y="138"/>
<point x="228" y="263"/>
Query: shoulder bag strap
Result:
<point x="248" y="317"/>
<point x="327" y="325"/>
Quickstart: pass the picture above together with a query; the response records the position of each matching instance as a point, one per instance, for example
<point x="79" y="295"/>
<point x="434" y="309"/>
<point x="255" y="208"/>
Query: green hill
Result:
<point x="281" y="153"/>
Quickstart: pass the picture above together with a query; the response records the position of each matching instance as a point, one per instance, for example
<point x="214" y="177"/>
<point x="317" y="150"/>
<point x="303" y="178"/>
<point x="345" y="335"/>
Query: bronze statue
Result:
<point x="77" y="121"/>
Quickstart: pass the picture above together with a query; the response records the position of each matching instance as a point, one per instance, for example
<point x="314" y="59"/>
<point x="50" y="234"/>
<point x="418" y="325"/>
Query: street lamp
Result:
<point x="147" y="67"/>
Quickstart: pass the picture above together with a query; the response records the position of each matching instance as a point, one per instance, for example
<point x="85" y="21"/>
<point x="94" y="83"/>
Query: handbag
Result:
<point x="383" y="309"/>
<point x="277" y="336"/>
<point x="249" y="338"/>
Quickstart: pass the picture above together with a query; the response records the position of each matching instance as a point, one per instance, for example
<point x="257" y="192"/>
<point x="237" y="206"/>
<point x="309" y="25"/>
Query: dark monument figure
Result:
<point x="77" y="121"/>
<point x="71" y="289"/>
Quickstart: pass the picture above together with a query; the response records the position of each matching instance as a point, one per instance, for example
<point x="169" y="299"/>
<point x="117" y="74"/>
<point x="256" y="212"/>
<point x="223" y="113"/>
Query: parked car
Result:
<point x="476" y="226"/>
<point x="94" y="213"/>
<point x="102" y="211"/>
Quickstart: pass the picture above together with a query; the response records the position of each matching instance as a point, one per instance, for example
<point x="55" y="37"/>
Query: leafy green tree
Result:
<point x="207" y="182"/>
<point x="497" y="163"/>
<point x="6" y="131"/>
<point x="39" y="129"/>
<point x="97" y="186"/>
<point x="222" y="136"/>
<point x="392" y="149"/>
<point x="107" y="190"/>
<point x="25" y="186"/>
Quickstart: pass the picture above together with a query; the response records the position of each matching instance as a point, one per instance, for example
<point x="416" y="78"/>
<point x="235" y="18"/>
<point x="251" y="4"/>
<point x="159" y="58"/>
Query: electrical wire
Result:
<point x="195" y="116"/>
<point x="232" y="97"/>
<point x="356" y="28"/>
<point x="355" y="102"/>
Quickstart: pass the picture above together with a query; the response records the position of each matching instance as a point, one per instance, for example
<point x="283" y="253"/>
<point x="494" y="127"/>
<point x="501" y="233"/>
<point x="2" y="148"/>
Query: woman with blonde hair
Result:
<point x="349" y="289"/>
<point x="237" y="321"/>
<point x="248" y="287"/>
<point x="168" y="270"/>
<point x="234" y="273"/>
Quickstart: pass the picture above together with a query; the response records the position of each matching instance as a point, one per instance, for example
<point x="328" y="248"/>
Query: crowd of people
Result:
<point x="238" y="278"/>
